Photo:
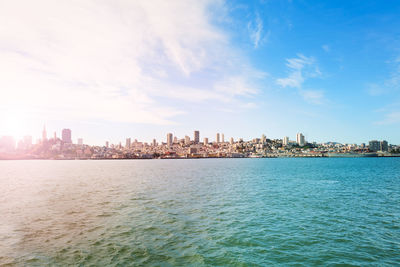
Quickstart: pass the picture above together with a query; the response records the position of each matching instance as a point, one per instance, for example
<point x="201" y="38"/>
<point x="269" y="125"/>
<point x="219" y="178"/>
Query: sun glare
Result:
<point x="14" y="123"/>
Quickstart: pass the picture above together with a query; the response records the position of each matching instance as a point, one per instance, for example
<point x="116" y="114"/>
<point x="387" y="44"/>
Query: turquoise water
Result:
<point x="208" y="212"/>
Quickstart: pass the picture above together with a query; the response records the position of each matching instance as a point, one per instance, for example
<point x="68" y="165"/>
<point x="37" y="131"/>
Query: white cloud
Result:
<point x="113" y="60"/>
<point x="302" y="68"/>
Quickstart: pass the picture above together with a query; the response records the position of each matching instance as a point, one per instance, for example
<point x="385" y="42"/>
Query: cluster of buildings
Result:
<point x="186" y="147"/>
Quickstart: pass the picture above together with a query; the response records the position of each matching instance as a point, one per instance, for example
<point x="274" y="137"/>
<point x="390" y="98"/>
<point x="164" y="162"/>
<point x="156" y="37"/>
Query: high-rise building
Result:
<point x="222" y="138"/>
<point x="205" y="141"/>
<point x="80" y="141"/>
<point x="154" y="142"/>
<point x="384" y="145"/>
<point x="374" y="145"/>
<point x="44" y="134"/>
<point x="187" y="140"/>
<point x="128" y="143"/>
<point x="175" y="139"/>
<point x="285" y="141"/>
<point x="66" y="136"/>
<point x="169" y="139"/>
<point x="300" y="139"/>
<point x="196" y="137"/>
<point x="217" y="138"/>
<point x="107" y="144"/>
<point x="231" y="141"/>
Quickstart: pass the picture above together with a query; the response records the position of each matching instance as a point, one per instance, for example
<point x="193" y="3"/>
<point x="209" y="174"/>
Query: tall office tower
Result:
<point x="187" y="140"/>
<point x="169" y="139"/>
<point x="66" y="136"/>
<point x="128" y="143"/>
<point x="384" y="145"/>
<point x="107" y="144"/>
<point x="80" y="141"/>
<point x="44" y="134"/>
<point x="231" y="141"/>
<point x="222" y="138"/>
<point x="196" y="137"/>
<point x="55" y="136"/>
<point x="285" y="140"/>
<point x="205" y="141"/>
<point x="217" y="138"/>
<point x="154" y="142"/>
<point x="300" y="139"/>
<point x="263" y="138"/>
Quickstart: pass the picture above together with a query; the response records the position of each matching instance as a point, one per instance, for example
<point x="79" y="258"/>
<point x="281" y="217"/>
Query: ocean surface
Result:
<point x="206" y="212"/>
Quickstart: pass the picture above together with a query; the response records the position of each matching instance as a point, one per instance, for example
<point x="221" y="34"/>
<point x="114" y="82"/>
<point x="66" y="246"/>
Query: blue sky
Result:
<point x="111" y="70"/>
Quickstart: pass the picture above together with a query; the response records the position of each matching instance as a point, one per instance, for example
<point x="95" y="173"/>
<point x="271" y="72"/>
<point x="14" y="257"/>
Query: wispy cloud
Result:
<point x="123" y="61"/>
<point x="255" y="29"/>
<point x="326" y="48"/>
<point x="300" y="69"/>
<point x="390" y="118"/>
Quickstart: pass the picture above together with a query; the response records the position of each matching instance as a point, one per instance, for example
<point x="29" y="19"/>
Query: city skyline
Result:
<point x="245" y="68"/>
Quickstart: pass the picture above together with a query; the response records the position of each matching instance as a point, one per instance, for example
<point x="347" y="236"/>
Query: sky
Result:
<point x="109" y="70"/>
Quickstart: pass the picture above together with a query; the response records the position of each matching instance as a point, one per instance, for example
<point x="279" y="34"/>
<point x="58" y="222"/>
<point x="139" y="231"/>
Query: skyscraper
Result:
<point x="169" y="139"/>
<point x="217" y="138"/>
<point x="222" y="138"/>
<point x="128" y="143"/>
<point x="66" y="136"/>
<point x="231" y="141"/>
<point x="300" y="139"/>
<point x="154" y="142"/>
<point x="196" y="137"/>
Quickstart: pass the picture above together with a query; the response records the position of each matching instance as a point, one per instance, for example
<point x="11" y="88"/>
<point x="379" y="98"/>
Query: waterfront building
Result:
<point x="175" y="139"/>
<point x="66" y="136"/>
<point x="154" y="142"/>
<point x="222" y="138"/>
<point x="231" y="141"/>
<point x="187" y="140"/>
<point x="300" y="139"/>
<point x="107" y="144"/>
<point x="384" y="145"/>
<point x="196" y="137"/>
<point x="80" y="141"/>
<point x="205" y="141"/>
<point x="374" y="145"/>
<point x="217" y="138"/>
<point x="285" y="141"/>
<point x="128" y="143"/>
<point x="169" y="139"/>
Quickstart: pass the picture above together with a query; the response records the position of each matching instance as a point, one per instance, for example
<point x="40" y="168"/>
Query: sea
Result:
<point x="201" y="212"/>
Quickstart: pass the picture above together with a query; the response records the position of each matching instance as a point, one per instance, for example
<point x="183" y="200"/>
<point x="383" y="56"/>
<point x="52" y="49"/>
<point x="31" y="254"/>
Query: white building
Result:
<point x="300" y="139"/>
<point x="217" y="138"/>
<point x="285" y="140"/>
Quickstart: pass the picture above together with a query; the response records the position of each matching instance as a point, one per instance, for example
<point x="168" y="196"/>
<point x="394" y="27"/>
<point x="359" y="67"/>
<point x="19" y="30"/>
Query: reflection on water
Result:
<point x="201" y="212"/>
